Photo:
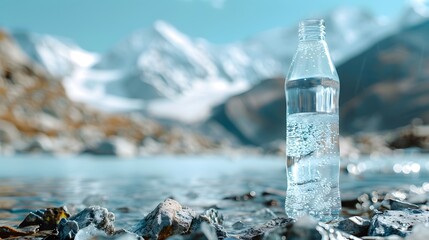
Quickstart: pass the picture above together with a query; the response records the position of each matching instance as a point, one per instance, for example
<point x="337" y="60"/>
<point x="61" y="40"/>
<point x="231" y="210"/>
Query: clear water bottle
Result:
<point x="312" y="147"/>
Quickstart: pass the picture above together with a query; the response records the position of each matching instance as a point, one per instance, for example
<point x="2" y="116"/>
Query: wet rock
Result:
<point x="397" y="222"/>
<point x="100" y="217"/>
<point x="211" y="217"/>
<point x="89" y="233"/>
<point x="167" y="219"/>
<point x="259" y="231"/>
<point x="306" y="228"/>
<point x="244" y="197"/>
<point x="67" y="230"/>
<point x="356" y="226"/>
<point x="46" y="219"/>
<point x="214" y="216"/>
<point x="393" y="204"/>
<point x="204" y="232"/>
<point x="238" y="225"/>
<point x="7" y="232"/>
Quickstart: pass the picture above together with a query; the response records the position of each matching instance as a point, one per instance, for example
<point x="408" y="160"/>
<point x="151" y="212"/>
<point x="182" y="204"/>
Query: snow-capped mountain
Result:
<point x="65" y="60"/>
<point x="171" y="75"/>
<point x="60" y="56"/>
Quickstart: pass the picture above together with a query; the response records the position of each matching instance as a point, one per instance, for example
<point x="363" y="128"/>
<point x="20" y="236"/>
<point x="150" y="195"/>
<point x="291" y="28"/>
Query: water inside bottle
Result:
<point x="312" y="149"/>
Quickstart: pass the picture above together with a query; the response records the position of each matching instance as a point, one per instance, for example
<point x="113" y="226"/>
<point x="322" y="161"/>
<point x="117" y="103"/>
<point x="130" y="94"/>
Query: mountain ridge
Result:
<point x="160" y="69"/>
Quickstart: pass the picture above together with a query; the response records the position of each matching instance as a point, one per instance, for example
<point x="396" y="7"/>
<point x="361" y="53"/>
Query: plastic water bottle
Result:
<point x="312" y="147"/>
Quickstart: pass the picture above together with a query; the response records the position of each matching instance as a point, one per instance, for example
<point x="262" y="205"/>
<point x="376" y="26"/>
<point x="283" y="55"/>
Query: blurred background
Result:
<point x="203" y="76"/>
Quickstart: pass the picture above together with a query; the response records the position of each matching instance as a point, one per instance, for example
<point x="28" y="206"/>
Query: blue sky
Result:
<point x="97" y="25"/>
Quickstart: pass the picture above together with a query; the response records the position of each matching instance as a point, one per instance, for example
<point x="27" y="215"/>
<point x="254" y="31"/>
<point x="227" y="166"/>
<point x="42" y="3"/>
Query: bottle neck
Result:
<point x="312" y="30"/>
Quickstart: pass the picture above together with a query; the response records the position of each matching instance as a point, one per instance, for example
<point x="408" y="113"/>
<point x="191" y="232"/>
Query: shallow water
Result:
<point x="131" y="188"/>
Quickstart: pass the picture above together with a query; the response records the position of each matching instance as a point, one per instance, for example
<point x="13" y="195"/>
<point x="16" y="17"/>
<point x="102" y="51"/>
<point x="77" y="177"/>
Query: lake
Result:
<point x="131" y="188"/>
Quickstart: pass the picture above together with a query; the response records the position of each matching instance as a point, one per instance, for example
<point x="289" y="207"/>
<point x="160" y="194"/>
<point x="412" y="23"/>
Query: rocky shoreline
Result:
<point x="381" y="218"/>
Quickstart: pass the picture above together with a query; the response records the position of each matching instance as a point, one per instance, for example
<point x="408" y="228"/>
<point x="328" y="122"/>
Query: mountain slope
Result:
<point x="37" y="115"/>
<point x="382" y="88"/>
<point x="385" y="86"/>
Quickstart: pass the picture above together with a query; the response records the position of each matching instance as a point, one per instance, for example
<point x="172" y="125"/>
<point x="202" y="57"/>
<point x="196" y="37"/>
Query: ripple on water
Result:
<point x="132" y="188"/>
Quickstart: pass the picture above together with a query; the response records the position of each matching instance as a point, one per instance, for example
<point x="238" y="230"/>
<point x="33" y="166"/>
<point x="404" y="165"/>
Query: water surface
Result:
<point x="131" y="188"/>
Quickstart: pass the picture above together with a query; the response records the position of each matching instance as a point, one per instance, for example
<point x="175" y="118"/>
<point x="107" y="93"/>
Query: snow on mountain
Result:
<point x="66" y="60"/>
<point x="171" y="75"/>
<point x="415" y="12"/>
<point x="59" y="56"/>
<point x="163" y="58"/>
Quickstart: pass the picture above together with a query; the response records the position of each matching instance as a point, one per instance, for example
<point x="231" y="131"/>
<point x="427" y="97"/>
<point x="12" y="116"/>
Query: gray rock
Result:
<point x="211" y="217"/>
<point x="393" y="204"/>
<point x="205" y="232"/>
<point x="356" y="226"/>
<point x="167" y="219"/>
<point x="100" y="217"/>
<point x="398" y="222"/>
<point x="238" y="225"/>
<point x="91" y="232"/>
<point x="259" y="231"/>
<point x="67" y="230"/>
<point x="306" y="228"/>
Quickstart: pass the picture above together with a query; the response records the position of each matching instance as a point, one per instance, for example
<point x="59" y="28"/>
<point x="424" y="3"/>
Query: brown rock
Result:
<point x="167" y="219"/>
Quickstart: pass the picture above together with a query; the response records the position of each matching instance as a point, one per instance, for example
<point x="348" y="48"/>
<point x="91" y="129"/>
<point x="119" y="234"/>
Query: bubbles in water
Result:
<point x="312" y="165"/>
